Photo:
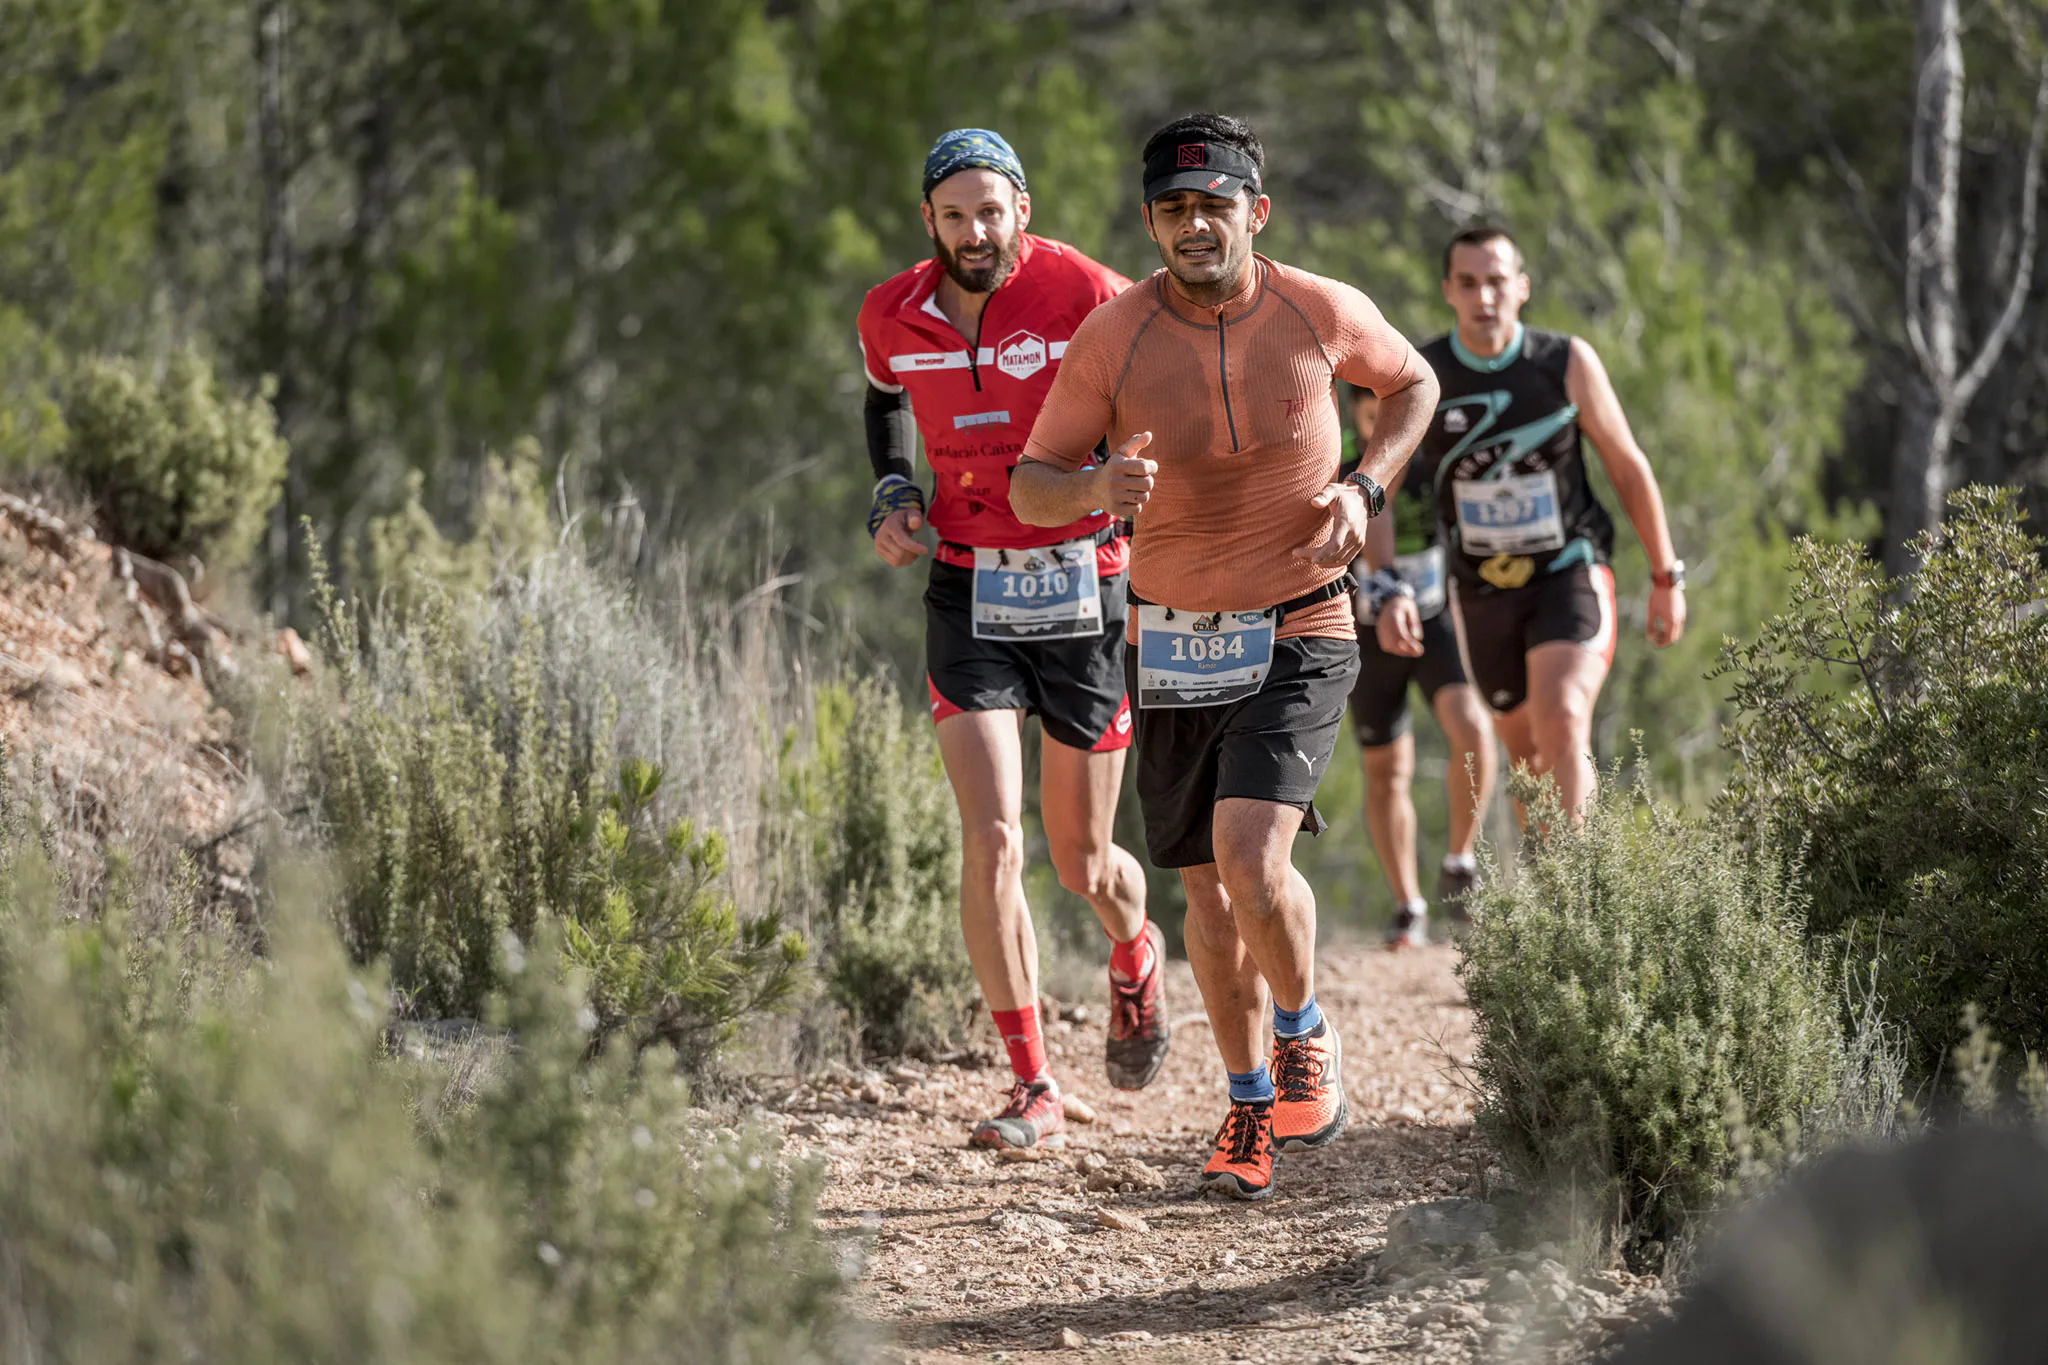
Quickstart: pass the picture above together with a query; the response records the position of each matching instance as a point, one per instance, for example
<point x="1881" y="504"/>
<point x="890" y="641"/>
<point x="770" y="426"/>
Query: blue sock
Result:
<point x="1253" y="1087"/>
<point x="1294" y="1023"/>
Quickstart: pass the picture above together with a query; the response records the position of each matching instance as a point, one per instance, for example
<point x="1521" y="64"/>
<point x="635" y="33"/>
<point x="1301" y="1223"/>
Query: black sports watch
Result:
<point x="1375" y="496"/>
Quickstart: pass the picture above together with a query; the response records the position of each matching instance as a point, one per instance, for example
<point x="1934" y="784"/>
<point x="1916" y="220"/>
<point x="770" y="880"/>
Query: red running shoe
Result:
<point x="1138" y="1029"/>
<point x="1032" y="1118"/>
<point x="1242" y="1165"/>
<point x="1308" y="1081"/>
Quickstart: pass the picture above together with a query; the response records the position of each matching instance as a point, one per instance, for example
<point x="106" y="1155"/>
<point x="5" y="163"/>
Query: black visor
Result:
<point x="1212" y="168"/>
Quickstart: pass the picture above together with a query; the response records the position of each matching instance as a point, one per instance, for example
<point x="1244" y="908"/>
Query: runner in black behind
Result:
<point x="1531" y="591"/>
<point x="1405" y="558"/>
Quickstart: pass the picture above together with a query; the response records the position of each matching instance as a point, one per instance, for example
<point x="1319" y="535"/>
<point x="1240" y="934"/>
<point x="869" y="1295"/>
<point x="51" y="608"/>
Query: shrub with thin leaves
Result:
<point x="888" y="858"/>
<point x="1899" y="733"/>
<point x="667" y="952"/>
<point x="1641" y="990"/>
<point x="223" y="1165"/>
<point x="176" y="464"/>
<point x="463" y="770"/>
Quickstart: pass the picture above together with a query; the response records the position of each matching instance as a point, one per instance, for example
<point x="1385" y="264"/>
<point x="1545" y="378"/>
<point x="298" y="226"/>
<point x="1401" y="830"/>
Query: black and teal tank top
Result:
<point x="1505" y="464"/>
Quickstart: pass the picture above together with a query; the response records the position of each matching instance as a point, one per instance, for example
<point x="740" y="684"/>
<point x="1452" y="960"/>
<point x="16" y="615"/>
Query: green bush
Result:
<point x="888" y="867"/>
<point x="199" y="1163"/>
<point x="460" y="769"/>
<point x="508" y="530"/>
<point x="1640" y="988"/>
<point x="176" y="465"/>
<point x="1900" y="733"/>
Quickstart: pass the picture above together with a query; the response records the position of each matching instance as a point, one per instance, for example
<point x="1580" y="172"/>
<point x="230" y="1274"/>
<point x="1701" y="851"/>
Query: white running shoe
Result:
<point x="1410" y="928"/>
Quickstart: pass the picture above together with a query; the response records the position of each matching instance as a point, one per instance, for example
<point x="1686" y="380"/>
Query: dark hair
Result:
<point x="1357" y="393"/>
<point x="1480" y="235"/>
<point x="1231" y="132"/>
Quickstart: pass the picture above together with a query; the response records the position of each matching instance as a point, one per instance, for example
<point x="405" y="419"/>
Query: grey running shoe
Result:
<point x="1453" y="887"/>
<point x="1138" y="1029"/>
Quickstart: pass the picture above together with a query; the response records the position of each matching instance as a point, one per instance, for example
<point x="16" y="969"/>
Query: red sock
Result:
<point x="1131" y="961"/>
<point x="1025" y="1043"/>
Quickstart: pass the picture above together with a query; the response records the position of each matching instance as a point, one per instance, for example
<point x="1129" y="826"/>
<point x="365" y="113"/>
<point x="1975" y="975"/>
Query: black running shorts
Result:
<point x="1270" y="746"/>
<point x="1496" y="630"/>
<point x="1379" y="702"/>
<point x="1075" y="687"/>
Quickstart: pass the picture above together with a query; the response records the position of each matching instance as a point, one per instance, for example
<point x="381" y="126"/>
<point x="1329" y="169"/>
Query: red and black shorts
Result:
<point x="1497" y="628"/>
<point x="1075" y="687"/>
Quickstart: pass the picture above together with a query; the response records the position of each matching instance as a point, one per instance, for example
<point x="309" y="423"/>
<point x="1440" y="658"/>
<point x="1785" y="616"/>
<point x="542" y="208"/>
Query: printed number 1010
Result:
<point x="1027" y="585"/>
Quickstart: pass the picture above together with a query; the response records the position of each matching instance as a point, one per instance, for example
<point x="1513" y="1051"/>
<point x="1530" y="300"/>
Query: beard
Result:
<point x="979" y="276"/>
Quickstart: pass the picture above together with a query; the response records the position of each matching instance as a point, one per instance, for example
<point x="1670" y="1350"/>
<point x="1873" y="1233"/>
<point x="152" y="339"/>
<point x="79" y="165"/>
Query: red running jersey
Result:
<point x="974" y="407"/>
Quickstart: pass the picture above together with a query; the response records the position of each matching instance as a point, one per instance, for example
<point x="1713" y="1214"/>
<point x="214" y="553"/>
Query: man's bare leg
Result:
<point x="1469" y="775"/>
<point x="984" y="756"/>
<point x="1233" y="994"/>
<point x="1552" y="731"/>
<point x="1078" y="793"/>
<point x="1077" y="801"/>
<point x="1272" y="905"/>
<point x="1390" y="813"/>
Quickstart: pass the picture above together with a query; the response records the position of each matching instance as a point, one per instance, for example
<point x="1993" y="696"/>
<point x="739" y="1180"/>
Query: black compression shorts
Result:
<point x="1379" y="701"/>
<point x="1496" y="630"/>
<point x="1270" y="746"/>
<point x="1075" y="687"/>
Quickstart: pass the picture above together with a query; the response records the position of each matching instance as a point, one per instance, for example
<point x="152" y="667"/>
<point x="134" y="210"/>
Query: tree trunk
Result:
<point x="1927" y="429"/>
<point x="274" y="267"/>
<point x="1933" y="283"/>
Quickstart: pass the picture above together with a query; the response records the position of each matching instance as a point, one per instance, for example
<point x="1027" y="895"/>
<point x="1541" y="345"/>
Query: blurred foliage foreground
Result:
<point x="210" y="1157"/>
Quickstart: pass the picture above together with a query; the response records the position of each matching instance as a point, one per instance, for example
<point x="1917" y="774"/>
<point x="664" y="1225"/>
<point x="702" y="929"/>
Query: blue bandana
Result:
<point x="964" y="147"/>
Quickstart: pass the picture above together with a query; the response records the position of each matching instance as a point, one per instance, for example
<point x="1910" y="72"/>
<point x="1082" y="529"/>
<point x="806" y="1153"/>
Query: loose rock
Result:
<point x="1119" y="1221"/>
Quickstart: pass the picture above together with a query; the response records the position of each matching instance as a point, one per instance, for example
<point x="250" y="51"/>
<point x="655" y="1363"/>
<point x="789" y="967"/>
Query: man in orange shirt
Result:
<point x="1217" y="377"/>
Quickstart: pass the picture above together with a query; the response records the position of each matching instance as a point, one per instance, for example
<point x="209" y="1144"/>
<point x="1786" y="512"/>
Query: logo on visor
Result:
<point x="1217" y="181"/>
<point x="1194" y="154"/>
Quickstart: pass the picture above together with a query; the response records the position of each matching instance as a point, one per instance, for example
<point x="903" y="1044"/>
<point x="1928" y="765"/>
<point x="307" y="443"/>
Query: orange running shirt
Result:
<point x="1239" y="403"/>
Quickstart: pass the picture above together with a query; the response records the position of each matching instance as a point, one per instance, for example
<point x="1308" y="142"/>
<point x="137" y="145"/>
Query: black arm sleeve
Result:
<point x="892" y="434"/>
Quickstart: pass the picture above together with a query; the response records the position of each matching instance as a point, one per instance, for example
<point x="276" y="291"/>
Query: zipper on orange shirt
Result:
<point x="1223" y="374"/>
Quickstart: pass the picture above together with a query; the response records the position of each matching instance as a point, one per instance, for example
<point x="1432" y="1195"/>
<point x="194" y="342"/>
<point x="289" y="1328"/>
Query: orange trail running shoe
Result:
<point x="1138" y="1029"/>
<point x="1308" y="1084"/>
<point x="1242" y="1166"/>
<point x="1032" y="1118"/>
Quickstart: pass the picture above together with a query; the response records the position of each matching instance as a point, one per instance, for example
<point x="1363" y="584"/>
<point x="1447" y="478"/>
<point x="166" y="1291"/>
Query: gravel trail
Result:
<point x="1103" y="1249"/>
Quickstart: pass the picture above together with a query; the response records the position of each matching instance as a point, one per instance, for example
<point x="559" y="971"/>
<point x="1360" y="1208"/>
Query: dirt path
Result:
<point x="1104" y="1248"/>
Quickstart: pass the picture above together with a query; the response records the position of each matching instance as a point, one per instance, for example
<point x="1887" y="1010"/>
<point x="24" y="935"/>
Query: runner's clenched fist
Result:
<point x="894" y="538"/>
<point x="1130" y="477"/>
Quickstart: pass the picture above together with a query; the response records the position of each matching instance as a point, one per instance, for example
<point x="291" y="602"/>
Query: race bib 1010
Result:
<point x="1517" y="515"/>
<point x="1048" y="593"/>
<point x="1189" y="658"/>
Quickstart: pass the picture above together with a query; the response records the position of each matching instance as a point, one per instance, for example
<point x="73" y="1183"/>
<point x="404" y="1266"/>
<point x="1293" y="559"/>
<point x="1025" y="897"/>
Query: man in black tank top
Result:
<point x="1527" y="544"/>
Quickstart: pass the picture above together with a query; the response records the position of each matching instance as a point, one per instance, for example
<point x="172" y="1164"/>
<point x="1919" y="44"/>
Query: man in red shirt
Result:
<point x="1019" y="619"/>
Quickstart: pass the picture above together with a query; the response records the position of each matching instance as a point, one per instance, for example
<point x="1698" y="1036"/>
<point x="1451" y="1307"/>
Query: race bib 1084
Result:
<point x="1188" y="658"/>
<point x="1517" y="515"/>
<point x="1049" y="593"/>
